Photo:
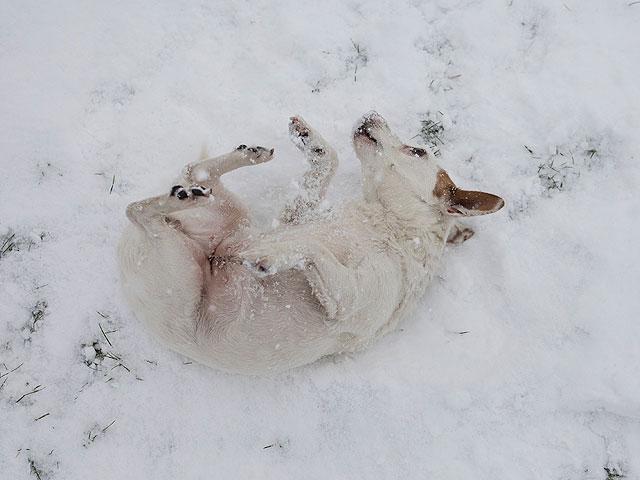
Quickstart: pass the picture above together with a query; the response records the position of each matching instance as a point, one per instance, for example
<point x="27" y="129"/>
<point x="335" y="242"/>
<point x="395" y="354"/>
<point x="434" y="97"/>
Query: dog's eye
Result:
<point x="417" y="152"/>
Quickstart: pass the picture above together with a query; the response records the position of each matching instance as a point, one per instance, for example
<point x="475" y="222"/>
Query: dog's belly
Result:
<point x="262" y="325"/>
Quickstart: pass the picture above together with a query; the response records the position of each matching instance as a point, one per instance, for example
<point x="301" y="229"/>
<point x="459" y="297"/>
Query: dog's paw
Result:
<point x="299" y="130"/>
<point x="255" y="154"/>
<point x="260" y="266"/>
<point x="195" y="190"/>
<point x="460" y="234"/>
<point x="306" y="139"/>
<point x="199" y="191"/>
<point x="179" y="192"/>
<point x="269" y="263"/>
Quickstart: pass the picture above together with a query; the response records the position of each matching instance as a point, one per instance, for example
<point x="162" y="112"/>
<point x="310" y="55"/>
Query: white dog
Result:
<point x="215" y="290"/>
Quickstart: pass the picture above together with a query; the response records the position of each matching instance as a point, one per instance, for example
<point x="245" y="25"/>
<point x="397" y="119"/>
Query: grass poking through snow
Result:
<point x="359" y="58"/>
<point x="36" y="389"/>
<point x="613" y="473"/>
<point x="561" y="169"/>
<point x="8" y="244"/>
<point x="96" y="432"/>
<point x="431" y="133"/>
<point x="37" y="313"/>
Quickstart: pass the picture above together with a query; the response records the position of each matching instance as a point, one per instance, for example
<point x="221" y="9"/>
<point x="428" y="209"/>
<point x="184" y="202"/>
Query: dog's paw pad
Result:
<point x="256" y="154"/>
<point x="460" y="235"/>
<point x="200" y="191"/>
<point x="179" y="191"/>
<point x="307" y="140"/>
<point x="316" y="153"/>
<point x="299" y="130"/>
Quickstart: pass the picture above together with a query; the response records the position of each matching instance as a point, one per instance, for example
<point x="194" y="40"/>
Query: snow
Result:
<point x="104" y="103"/>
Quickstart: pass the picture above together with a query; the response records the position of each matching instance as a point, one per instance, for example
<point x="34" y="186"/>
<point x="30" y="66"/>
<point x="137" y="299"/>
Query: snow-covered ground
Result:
<point x="539" y="102"/>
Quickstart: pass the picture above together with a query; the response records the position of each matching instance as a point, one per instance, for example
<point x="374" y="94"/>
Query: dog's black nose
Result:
<point x="372" y="119"/>
<point x="371" y="122"/>
<point x="365" y="131"/>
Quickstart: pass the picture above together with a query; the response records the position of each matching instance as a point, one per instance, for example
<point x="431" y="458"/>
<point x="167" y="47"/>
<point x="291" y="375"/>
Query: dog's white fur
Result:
<point x="215" y="290"/>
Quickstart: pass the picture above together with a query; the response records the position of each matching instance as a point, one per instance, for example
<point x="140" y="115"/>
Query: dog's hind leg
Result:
<point x="323" y="161"/>
<point x="163" y="271"/>
<point x="225" y="213"/>
<point x="151" y="214"/>
<point x="207" y="172"/>
<point x="204" y="180"/>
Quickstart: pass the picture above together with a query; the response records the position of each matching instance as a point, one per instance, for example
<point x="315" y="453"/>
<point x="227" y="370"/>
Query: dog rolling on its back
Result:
<point x="212" y="288"/>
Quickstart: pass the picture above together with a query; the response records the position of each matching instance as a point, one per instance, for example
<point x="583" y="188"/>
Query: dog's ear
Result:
<point x="468" y="203"/>
<point x="457" y="202"/>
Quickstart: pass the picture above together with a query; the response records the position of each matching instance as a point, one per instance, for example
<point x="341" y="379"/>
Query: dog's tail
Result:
<point x="204" y="152"/>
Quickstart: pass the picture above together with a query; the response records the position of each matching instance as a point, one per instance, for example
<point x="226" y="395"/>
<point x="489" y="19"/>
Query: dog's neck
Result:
<point x="420" y="236"/>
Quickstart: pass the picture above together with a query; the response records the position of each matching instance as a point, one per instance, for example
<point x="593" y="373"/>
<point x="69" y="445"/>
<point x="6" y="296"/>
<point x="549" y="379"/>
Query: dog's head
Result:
<point x="408" y="179"/>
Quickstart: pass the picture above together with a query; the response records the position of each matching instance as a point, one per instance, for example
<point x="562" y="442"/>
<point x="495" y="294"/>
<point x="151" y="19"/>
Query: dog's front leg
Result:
<point x="270" y="258"/>
<point x="334" y="285"/>
<point x="323" y="162"/>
